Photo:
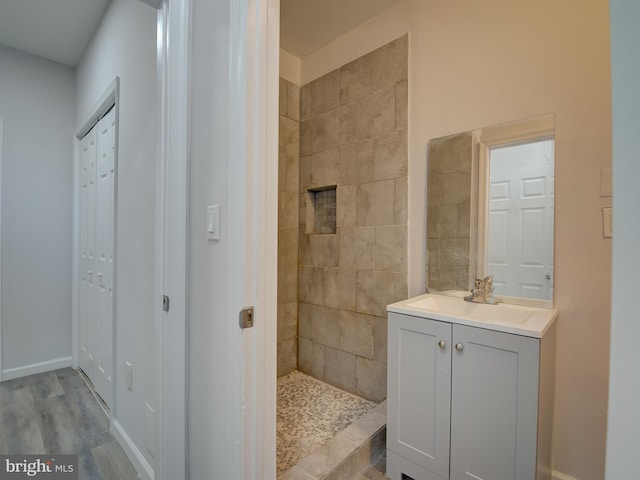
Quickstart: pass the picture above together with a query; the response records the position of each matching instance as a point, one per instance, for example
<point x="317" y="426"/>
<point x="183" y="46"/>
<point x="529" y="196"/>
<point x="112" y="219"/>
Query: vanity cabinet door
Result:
<point x="419" y="391"/>
<point x="494" y="405"/>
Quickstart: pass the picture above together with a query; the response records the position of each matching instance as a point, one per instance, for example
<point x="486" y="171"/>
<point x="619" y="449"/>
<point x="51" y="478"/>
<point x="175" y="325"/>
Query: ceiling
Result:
<point x="58" y="30"/>
<point x="307" y="25"/>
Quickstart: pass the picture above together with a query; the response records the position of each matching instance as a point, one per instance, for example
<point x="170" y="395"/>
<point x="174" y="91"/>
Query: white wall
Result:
<point x="624" y="392"/>
<point x="125" y="45"/>
<point x="37" y="105"/>
<point x="474" y="64"/>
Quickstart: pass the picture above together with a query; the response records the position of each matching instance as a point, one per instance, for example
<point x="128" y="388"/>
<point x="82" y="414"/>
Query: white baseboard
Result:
<point x="49" y="365"/>
<point x="555" y="475"/>
<point x="145" y="472"/>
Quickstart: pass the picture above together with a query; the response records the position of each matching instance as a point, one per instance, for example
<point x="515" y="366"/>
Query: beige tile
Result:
<point x="401" y="290"/>
<point x="311" y="358"/>
<point x="380" y="338"/>
<point x="456" y="188"/>
<point x="375" y="203"/>
<point x="340" y="288"/>
<point x="304" y="320"/>
<point x="282" y="171"/>
<point x="356" y="79"/>
<point x="305" y="173"/>
<point x="346" y="206"/>
<point x="402" y="103"/>
<point x="288" y="134"/>
<point x="435" y="189"/>
<point x="434" y="251"/>
<point x="376" y="113"/>
<point x="374" y="291"/>
<point x="340" y="369"/>
<point x="400" y="201"/>
<point x="293" y="101"/>
<point x="313" y="135"/>
<point x="288" y="247"/>
<point x="371" y="377"/>
<point x="325" y="93"/>
<point x="287" y="356"/>
<point x="287" y="285"/>
<point x="464" y="220"/>
<point x="325" y="325"/>
<point x="356" y="333"/>
<point x="287" y="210"/>
<point x="391" y="63"/>
<point x="341" y="125"/>
<point x="357" y="247"/>
<point x="305" y="102"/>
<point x="287" y="321"/>
<point x="282" y="97"/>
<point x="452" y="277"/>
<point x="295" y="473"/>
<point x="448" y="220"/>
<point x="357" y="162"/>
<point x="320" y="250"/>
<point x="446" y="154"/>
<point x="292" y="173"/>
<point x="455" y="251"/>
<point x="310" y="282"/>
<point x="325" y="168"/>
<point x="391" y="248"/>
<point x="391" y="155"/>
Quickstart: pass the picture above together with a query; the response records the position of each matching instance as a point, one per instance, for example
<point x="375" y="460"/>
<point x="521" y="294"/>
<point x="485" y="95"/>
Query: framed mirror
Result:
<point x="491" y="210"/>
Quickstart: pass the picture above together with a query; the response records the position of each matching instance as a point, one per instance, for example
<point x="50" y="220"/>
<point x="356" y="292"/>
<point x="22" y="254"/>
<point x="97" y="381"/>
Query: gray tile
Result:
<point x="357" y="162"/>
<point x="391" y="248"/>
<point x="391" y="63"/>
<point x="45" y="385"/>
<point x="357" y="247"/>
<point x="340" y="369"/>
<point x="112" y="462"/>
<point x="375" y="203"/>
<point x="293" y="101"/>
<point x="325" y="93"/>
<point x="371" y="379"/>
<point x="356" y="79"/>
<point x="402" y="103"/>
<point x="374" y="291"/>
<point x="391" y="155"/>
<point x="340" y="288"/>
<point x="357" y="333"/>
<point x="311" y="358"/>
<point x="20" y="428"/>
<point x="376" y="114"/>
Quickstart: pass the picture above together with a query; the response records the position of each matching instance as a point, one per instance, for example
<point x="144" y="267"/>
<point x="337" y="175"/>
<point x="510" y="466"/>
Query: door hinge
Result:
<point x="165" y="303"/>
<point x="246" y="317"/>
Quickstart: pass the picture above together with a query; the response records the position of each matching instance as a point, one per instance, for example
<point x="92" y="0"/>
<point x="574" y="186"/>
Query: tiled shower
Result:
<point x="342" y="229"/>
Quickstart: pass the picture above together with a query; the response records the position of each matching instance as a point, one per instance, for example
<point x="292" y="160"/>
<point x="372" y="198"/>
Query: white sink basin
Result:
<point x="477" y="311"/>
<point x="520" y="320"/>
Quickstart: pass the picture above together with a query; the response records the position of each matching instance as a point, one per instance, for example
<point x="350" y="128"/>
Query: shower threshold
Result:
<point x="324" y="432"/>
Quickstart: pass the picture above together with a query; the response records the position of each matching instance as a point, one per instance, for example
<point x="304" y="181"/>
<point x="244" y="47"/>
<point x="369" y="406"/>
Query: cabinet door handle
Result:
<point x="442" y="344"/>
<point x="459" y="347"/>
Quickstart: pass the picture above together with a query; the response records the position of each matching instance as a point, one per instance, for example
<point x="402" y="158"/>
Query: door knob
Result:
<point x="459" y="347"/>
<point x="442" y="344"/>
<point x="548" y="276"/>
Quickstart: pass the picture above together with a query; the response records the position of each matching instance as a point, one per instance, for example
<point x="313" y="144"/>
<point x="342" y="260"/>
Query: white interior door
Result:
<point x="520" y="231"/>
<point x="97" y="182"/>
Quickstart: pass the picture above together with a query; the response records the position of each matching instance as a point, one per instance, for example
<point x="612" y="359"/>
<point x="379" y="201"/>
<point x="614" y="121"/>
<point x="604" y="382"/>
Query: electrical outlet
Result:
<point x="128" y="375"/>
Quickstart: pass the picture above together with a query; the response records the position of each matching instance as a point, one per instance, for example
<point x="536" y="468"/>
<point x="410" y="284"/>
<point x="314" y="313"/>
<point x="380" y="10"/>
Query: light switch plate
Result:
<point x="607" y="222"/>
<point x="213" y="222"/>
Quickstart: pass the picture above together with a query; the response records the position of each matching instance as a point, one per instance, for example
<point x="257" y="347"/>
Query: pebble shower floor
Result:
<point x="309" y="413"/>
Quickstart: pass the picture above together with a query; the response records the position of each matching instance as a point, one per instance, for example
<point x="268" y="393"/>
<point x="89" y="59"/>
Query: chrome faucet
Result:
<point x="483" y="291"/>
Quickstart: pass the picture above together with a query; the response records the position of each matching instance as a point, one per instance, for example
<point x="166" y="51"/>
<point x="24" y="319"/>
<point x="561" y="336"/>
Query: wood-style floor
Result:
<point x="56" y="413"/>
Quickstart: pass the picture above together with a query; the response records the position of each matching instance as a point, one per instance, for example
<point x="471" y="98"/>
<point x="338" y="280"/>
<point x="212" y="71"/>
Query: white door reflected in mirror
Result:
<point x="520" y="219"/>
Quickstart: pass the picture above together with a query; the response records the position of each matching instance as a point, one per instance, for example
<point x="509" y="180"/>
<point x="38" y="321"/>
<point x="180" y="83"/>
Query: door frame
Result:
<point x="1" y="153"/>
<point x="109" y="99"/>
<point x="171" y="233"/>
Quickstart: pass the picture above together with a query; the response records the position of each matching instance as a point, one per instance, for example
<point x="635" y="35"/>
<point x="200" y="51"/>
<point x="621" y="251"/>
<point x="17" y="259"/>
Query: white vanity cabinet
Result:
<point x="466" y="402"/>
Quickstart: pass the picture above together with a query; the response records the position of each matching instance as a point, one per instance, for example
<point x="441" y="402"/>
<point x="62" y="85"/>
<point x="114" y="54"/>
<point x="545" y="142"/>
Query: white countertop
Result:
<point x="516" y="319"/>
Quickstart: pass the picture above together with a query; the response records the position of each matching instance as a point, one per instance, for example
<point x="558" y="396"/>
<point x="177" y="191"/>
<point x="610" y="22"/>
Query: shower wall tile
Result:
<point x="357" y="333"/>
<point x="346" y="206"/>
<point x="293" y="101"/>
<point x="340" y="288"/>
<point x="287" y="210"/>
<point x="391" y="63"/>
<point x="456" y="187"/>
<point x="288" y="247"/>
<point x="311" y="358"/>
<point x="325" y="93"/>
<point x="391" y="159"/>
<point x="287" y="321"/>
<point x="380" y="338"/>
<point x="325" y="168"/>
<point x="391" y="248"/>
<point x="371" y="377"/>
<point x="287" y="285"/>
<point x="375" y="203"/>
<point x="356" y="79"/>
<point x="357" y="247"/>
<point x="401" y="200"/>
<point x="376" y="113"/>
<point x="340" y="369"/>
<point x="374" y="292"/>
<point x="282" y="97"/>
<point x="402" y="103"/>
<point x="287" y="356"/>
<point x="353" y="134"/>
<point x="357" y="162"/>
<point x="320" y="250"/>
<point x="311" y="285"/>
